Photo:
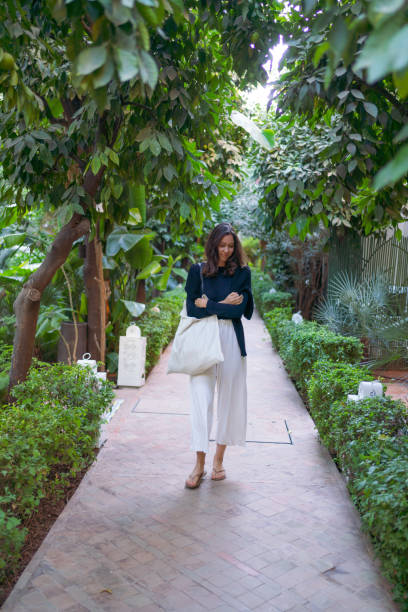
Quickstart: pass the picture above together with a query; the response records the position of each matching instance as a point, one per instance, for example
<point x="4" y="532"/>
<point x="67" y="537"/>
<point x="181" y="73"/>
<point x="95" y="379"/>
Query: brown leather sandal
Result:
<point x="218" y="474"/>
<point x="199" y="477"/>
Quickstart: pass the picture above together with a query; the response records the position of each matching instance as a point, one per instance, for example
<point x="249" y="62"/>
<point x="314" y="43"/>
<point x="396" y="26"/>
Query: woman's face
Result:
<point x="225" y="249"/>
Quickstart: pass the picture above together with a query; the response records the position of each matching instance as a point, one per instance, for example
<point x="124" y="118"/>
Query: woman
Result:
<point x="227" y="293"/>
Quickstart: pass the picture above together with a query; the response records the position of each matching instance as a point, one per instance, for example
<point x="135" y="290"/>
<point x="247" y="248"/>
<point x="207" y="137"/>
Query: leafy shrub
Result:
<point x="268" y="301"/>
<point x="331" y="381"/>
<point x="261" y="283"/>
<point x="159" y="326"/>
<point x="12" y="538"/>
<point x="275" y="321"/>
<point x="5" y="360"/>
<point x="306" y="343"/>
<point x="380" y="491"/>
<point x="46" y="436"/>
<point x="370" y="440"/>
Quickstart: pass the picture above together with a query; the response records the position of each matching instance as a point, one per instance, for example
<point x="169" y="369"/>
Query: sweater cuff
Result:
<point x="210" y="306"/>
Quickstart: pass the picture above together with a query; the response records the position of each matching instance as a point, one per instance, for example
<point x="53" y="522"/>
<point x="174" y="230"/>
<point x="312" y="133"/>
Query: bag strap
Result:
<point x="201" y="276"/>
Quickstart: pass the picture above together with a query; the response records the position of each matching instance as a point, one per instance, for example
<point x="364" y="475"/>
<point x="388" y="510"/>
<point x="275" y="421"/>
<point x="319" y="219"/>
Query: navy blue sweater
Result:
<point x="216" y="288"/>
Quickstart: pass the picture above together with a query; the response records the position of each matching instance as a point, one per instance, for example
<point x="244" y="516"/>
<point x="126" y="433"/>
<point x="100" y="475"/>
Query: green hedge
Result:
<point x="301" y="345"/>
<point x="47" y="436"/>
<point x="331" y="381"/>
<point x="5" y="362"/>
<point x="262" y="285"/>
<point x="277" y="321"/>
<point x="368" y="439"/>
<point x="159" y="326"/>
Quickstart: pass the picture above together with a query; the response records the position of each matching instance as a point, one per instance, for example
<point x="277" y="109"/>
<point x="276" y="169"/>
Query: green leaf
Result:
<point x="402" y="135"/>
<point x="121" y="239"/>
<point x="91" y="59"/>
<point x="249" y="126"/>
<point x="134" y="218"/>
<point x="162" y="284"/>
<point x="114" y="157"/>
<point x="10" y="240"/>
<point x="154" y="146"/>
<point x="148" y="69"/>
<point x="384" y="7"/>
<point x="165" y="142"/>
<point x="401" y="83"/>
<point x="270" y="136"/>
<point x="169" y="172"/>
<point x="127" y="64"/>
<point x="96" y="165"/>
<point x="371" y="109"/>
<point x="137" y="198"/>
<point x="152" y="268"/>
<point x="55" y="107"/>
<point x="104" y="75"/>
<point x="395" y="170"/>
<point x="385" y="51"/>
<point x="320" y="51"/>
<point x="135" y="308"/>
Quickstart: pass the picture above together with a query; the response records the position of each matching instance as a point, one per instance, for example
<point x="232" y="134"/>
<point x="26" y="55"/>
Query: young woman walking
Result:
<point x="227" y="293"/>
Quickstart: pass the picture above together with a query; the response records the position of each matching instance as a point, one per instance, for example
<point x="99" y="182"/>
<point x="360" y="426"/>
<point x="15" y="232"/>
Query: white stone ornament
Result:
<point x="367" y="389"/>
<point x="132" y="358"/>
<point x="297" y="318"/>
<point x="87" y="362"/>
<point x="370" y="389"/>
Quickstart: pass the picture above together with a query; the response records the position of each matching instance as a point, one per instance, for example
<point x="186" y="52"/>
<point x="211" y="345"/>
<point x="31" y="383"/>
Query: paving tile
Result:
<point x="280" y="533"/>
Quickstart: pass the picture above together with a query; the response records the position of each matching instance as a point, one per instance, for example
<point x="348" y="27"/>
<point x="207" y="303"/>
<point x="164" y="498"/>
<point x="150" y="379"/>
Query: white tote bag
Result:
<point x="196" y="345"/>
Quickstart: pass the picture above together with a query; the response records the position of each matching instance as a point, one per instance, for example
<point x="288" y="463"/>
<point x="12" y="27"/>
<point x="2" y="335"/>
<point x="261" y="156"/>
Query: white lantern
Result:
<point x="132" y="358"/>
<point x="367" y="389"/>
<point x="87" y="362"/>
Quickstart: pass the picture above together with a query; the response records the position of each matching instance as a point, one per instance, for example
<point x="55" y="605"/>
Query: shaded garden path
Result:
<point x="279" y="534"/>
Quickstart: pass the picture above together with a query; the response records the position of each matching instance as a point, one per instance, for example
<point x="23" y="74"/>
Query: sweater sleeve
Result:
<point x="193" y="290"/>
<point x="232" y="311"/>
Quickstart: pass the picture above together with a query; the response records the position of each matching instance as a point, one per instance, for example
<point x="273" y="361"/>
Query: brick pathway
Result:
<point x="279" y="534"/>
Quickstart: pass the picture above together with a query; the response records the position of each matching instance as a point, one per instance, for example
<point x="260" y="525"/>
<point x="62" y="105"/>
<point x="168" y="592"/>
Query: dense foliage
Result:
<point x="47" y="436"/>
<point x="338" y="71"/>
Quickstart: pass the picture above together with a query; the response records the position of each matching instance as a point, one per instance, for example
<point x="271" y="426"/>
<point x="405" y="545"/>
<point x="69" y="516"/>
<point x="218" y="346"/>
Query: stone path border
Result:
<point x="280" y="533"/>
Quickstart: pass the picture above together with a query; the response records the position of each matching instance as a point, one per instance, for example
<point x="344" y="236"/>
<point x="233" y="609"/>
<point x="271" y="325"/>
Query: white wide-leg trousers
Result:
<point x="230" y="378"/>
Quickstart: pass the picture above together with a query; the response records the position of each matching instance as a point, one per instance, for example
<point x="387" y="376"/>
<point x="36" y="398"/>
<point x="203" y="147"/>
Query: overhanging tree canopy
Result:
<point x="103" y="103"/>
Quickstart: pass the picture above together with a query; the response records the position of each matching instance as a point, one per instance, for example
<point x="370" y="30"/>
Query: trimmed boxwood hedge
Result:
<point x="368" y="439"/>
<point x="301" y="345"/>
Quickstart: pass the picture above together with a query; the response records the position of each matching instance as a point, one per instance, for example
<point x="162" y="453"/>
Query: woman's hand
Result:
<point x="201" y="302"/>
<point x="233" y="298"/>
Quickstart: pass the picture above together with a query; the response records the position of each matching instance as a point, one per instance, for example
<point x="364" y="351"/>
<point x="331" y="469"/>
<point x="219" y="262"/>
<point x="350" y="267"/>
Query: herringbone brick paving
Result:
<point x="279" y="534"/>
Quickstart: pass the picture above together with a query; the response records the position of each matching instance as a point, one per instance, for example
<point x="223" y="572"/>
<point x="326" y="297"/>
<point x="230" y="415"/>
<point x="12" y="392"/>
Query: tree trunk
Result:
<point x="141" y="292"/>
<point x="263" y="244"/>
<point x="27" y="304"/>
<point x="96" y="294"/>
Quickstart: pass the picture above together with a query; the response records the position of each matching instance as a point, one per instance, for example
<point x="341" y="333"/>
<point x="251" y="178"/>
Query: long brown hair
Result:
<point x="236" y="260"/>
